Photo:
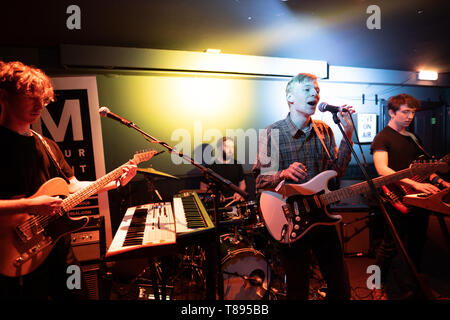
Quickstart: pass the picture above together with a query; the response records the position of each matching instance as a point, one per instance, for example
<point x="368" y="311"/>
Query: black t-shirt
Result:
<point x="402" y="150"/>
<point x="231" y="171"/>
<point x="26" y="165"/>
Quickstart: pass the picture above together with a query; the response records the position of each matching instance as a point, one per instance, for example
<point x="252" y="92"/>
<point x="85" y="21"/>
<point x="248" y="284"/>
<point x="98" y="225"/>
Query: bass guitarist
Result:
<point x="27" y="162"/>
<point x="394" y="148"/>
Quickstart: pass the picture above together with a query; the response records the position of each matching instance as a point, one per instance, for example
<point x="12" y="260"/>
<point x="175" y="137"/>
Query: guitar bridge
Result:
<point x="28" y="230"/>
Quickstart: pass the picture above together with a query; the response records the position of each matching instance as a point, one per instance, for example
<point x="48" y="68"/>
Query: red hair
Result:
<point x="17" y="78"/>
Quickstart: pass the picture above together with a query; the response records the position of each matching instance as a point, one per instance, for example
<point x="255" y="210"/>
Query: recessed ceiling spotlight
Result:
<point x="427" y="75"/>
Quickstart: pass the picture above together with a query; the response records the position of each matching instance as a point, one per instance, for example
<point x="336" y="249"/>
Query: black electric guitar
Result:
<point x="295" y="209"/>
<point x="26" y="240"/>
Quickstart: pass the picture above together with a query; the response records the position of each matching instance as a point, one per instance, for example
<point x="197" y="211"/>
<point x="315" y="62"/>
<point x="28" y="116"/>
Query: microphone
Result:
<point x="105" y="112"/>
<point x="323" y="106"/>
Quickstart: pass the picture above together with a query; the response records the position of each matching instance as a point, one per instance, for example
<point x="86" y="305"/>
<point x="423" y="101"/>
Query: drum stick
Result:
<point x="230" y="203"/>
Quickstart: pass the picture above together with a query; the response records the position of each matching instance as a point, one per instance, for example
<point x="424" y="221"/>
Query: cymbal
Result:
<point x="154" y="172"/>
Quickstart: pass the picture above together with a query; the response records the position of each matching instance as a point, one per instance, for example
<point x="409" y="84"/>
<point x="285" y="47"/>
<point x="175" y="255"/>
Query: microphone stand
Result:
<point x="217" y="182"/>
<point x="424" y="291"/>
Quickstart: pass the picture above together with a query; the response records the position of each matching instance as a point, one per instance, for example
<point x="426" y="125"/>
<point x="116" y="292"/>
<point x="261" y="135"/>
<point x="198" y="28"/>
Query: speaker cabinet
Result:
<point x="89" y="246"/>
<point x="354" y="230"/>
<point x="91" y="276"/>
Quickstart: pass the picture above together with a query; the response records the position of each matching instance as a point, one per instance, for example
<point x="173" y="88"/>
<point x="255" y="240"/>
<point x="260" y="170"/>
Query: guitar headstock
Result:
<point x="144" y="155"/>
<point x="424" y="167"/>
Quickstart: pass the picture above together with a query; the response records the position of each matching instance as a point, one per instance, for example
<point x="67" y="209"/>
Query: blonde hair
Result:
<point x="300" y="79"/>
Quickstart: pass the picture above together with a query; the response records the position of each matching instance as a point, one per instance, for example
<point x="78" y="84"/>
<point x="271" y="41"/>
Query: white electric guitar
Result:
<point x="26" y="240"/>
<point x="295" y="209"/>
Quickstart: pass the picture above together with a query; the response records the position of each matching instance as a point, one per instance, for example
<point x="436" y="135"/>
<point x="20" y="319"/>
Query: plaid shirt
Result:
<point x="282" y="144"/>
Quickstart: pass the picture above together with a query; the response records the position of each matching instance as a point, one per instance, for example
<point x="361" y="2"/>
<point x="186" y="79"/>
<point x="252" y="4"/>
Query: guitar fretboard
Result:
<point x="364" y="187"/>
<point x="79" y="196"/>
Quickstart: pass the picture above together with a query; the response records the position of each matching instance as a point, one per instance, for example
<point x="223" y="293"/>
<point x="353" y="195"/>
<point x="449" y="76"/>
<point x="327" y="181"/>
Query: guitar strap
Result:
<point x="51" y="155"/>
<point x="321" y="136"/>
<point x="418" y="144"/>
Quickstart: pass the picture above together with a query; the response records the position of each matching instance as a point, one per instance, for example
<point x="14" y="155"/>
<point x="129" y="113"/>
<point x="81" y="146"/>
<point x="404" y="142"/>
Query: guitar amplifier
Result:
<point x="88" y="243"/>
<point x="89" y="246"/>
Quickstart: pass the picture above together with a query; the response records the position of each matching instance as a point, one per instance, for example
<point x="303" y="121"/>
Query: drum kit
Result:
<point x="247" y="251"/>
<point x="248" y="255"/>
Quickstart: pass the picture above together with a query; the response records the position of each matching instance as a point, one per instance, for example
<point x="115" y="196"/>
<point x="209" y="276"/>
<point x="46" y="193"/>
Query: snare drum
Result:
<point x="246" y="273"/>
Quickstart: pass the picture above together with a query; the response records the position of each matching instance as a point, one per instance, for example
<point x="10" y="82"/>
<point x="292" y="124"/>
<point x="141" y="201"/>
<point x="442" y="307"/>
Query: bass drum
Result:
<point x="246" y="273"/>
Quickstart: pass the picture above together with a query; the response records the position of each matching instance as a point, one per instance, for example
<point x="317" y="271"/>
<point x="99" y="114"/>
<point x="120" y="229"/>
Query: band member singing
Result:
<point x="301" y="155"/>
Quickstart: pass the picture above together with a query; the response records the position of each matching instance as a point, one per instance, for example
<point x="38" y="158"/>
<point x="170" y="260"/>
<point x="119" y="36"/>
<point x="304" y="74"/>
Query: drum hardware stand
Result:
<point x="154" y="268"/>
<point x="217" y="180"/>
<point x="424" y="290"/>
<point x="152" y="189"/>
<point x="192" y="264"/>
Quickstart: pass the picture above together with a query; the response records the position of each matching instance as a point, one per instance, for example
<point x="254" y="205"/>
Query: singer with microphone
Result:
<point x="305" y="148"/>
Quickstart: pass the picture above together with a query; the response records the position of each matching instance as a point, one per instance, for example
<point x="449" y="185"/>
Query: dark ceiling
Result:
<point x="413" y="33"/>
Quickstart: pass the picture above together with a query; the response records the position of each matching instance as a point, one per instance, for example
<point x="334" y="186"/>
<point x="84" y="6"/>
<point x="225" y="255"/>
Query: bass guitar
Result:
<point x="294" y="209"/>
<point x="26" y="240"/>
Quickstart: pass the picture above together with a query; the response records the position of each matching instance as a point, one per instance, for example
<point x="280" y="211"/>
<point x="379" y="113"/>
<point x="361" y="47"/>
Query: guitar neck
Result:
<point x="79" y="196"/>
<point x="363" y="187"/>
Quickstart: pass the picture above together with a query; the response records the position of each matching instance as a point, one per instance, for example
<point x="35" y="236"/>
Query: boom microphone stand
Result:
<point x="217" y="181"/>
<point x="425" y="292"/>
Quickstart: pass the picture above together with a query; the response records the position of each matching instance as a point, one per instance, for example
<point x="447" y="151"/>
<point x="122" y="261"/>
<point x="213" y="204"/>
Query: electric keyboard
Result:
<point x="145" y="230"/>
<point x="154" y="228"/>
<point x="191" y="217"/>
<point x="162" y="229"/>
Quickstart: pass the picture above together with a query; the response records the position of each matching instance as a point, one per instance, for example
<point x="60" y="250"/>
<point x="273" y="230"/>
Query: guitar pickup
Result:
<point x="287" y="211"/>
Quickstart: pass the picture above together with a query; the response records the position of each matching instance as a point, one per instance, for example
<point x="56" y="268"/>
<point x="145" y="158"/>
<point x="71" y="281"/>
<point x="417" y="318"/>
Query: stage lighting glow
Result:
<point x="427" y="75"/>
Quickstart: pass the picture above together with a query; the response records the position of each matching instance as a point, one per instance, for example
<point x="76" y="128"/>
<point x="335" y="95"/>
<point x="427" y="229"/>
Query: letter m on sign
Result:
<point x="70" y="111"/>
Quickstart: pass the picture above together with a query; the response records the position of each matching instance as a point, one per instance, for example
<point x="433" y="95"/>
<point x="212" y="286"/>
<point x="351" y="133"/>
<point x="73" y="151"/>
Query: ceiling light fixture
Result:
<point x="427" y="75"/>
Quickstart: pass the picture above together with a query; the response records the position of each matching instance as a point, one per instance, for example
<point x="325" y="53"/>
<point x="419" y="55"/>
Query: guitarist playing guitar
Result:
<point x="394" y="149"/>
<point x="306" y="148"/>
<point x="28" y="161"/>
